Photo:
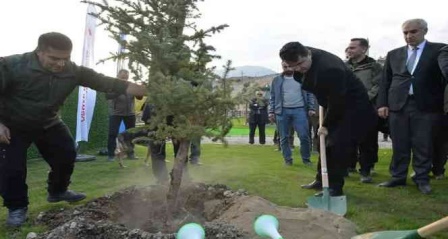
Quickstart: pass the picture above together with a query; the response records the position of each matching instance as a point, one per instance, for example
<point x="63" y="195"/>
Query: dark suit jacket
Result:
<point x="427" y="80"/>
<point x="443" y="64"/>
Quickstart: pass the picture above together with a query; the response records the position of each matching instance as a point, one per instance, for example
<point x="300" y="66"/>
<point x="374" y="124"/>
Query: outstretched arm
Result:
<point x="136" y="90"/>
<point x="89" y="78"/>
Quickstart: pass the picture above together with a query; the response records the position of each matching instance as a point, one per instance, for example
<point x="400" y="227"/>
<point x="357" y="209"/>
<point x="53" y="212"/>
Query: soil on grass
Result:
<point x="140" y="213"/>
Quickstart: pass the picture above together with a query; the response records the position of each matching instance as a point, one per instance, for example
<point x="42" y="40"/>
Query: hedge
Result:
<point x="98" y="130"/>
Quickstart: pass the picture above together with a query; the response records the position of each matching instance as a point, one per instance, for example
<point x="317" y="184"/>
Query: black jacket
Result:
<point x="443" y="64"/>
<point x="258" y="111"/>
<point x="338" y="90"/>
<point x="30" y="96"/>
<point x="121" y="104"/>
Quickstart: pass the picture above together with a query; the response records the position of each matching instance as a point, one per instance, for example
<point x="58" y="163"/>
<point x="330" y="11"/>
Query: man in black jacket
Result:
<point x="258" y="117"/>
<point x="441" y="138"/>
<point x="369" y="72"/>
<point x="345" y="99"/>
<point x="33" y="86"/>
<point x="121" y="109"/>
<point x="411" y="94"/>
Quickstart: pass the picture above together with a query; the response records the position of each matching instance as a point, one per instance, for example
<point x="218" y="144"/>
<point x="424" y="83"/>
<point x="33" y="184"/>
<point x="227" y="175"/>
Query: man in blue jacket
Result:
<point x="290" y="105"/>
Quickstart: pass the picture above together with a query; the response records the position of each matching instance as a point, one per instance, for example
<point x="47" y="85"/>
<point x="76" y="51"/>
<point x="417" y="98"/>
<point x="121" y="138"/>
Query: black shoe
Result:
<point x="308" y="163"/>
<point x="332" y="192"/>
<point x="316" y="185"/>
<point x="424" y="188"/>
<point x="132" y="157"/>
<point x="393" y="183"/>
<point x="16" y="217"/>
<point x="68" y="196"/>
<point x="366" y="179"/>
<point x="288" y="162"/>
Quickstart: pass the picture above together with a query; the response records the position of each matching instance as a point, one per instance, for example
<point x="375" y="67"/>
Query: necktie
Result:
<point x="411" y="60"/>
<point x="410" y="67"/>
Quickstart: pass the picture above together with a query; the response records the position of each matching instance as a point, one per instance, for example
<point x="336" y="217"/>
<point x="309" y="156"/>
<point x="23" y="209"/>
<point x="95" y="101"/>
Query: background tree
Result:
<point x="166" y="50"/>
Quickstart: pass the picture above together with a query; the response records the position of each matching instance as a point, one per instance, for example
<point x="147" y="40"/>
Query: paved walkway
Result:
<point x="269" y="141"/>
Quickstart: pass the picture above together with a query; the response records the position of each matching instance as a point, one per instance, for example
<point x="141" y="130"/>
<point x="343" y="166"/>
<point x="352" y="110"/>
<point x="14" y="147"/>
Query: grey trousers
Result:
<point x="412" y="130"/>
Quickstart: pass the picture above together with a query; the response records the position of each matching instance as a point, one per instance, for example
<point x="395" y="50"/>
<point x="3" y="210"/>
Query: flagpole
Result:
<point x="86" y="96"/>
<point x="121" y="50"/>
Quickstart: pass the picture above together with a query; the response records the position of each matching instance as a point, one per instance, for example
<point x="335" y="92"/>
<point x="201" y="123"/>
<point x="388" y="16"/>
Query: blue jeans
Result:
<point x="298" y="118"/>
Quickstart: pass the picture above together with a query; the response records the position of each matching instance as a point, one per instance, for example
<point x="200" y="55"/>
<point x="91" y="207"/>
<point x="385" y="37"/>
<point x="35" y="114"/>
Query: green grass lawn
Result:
<point x="259" y="170"/>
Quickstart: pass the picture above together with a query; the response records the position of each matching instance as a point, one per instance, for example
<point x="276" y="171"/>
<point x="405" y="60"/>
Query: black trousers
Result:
<point x="412" y="130"/>
<point x="366" y="152"/>
<point x="253" y="124"/>
<point x="114" y="128"/>
<point x="337" y="160"/>
<point x="290" y="139"/>
<point x="440" y="155"/>
<point x="340" y="143"/>
<point x="440" y="148"/>
<point x="158" y="157"/>
<point x="57" y="147"/>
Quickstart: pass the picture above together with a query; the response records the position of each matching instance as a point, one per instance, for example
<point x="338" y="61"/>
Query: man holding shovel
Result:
<point x="349" y="114"/>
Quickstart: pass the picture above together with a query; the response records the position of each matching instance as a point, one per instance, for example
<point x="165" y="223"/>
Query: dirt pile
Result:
<point x="141" y="213"/>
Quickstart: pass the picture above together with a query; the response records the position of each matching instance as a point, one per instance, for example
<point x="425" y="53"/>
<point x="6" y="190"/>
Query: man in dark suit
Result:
<point x="441" y="140"/>
<point x="349" y="114"/>
<point x="411" y="94"/>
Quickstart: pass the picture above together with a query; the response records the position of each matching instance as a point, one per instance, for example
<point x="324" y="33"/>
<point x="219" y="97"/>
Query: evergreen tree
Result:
<point x="166" y="50"/>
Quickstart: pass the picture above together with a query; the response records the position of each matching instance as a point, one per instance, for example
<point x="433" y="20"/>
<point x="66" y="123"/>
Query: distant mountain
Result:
<point x="248" y="71"/>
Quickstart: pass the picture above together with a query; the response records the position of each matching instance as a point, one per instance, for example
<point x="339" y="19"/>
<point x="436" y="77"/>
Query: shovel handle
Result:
<point x="322" y="153"/>
<point x="433" y="227"/>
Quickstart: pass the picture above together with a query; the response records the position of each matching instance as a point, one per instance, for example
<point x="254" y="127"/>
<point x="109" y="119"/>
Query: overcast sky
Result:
<point x="258" y="28"/>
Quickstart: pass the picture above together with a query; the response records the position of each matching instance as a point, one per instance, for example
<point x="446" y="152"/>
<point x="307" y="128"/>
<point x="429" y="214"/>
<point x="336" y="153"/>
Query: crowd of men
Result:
<point x="403" y="97"/>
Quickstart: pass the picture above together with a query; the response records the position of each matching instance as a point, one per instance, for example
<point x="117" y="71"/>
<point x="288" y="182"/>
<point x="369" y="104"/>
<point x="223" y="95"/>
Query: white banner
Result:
<point x="121" y="50"/>
<point x="86" y="96"/>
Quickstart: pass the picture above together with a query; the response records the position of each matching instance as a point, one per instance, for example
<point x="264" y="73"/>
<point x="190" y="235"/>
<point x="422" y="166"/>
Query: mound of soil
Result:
<point x="141" y="213"/>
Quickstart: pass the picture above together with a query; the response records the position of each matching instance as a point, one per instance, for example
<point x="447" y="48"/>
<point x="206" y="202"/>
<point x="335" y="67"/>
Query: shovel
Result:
<point x="337" y="205"/>
<point x="422" y="232"/>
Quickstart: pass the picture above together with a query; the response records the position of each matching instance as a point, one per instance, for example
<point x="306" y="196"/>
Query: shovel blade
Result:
<point x="411" y="234"/>
<point x="336" y="205"/>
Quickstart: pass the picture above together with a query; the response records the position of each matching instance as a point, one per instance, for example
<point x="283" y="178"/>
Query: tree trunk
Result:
<point x="177" y="172"/>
